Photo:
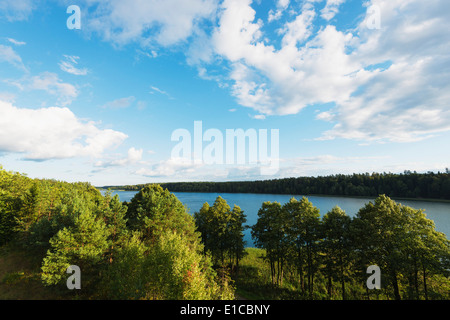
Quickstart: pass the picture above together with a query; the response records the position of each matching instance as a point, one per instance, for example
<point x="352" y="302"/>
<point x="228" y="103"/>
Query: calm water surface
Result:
<point x="439" y="212"/>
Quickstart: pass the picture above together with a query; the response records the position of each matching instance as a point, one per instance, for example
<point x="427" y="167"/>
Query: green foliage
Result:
<point x="175" y="271"/>
<point x="270" y="233"/>
<point x="402" y="242"/>
<point x="152" y="248"/>
<point x="222" y="231"/>
<point x="170" y="269"/>
<point x="153" y="211"/>
<point x="336" y="250"/>
<point x="12" y="188"/>
<point x="123" y="276"/>
<point x="83" y="245"/>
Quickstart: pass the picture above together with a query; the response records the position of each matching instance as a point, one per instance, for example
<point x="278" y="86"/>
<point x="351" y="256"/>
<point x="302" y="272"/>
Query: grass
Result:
<point x="253" y="281"/>
<point x="20" y="277"/>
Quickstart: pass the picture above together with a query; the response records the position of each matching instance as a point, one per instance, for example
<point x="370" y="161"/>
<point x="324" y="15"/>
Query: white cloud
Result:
<point x="134" y="157"/>
<point x="7" y="96"/>
<point x="17" y="10"/>
<point x="52" y="133"/>
<point x="16" y="42"/>
<point x="173" y="167"/>
<point x="120" y="103"/>
<point x="7" y="54"/>
<point x="163" y="22"/>
<point x="181" y="170"/>
<point x="331" y="9"/>
<point x="390" y="84"/>
<point x="286" y="80"/>
<point x="69" y="65"/>
<point x="149" y="54"/>
<point x="282" y="5"/>
<point x="154" y="89"/>
<point x="408" y="100"/>
<point x="50" y="83"/>
<point x="258" y="117"/>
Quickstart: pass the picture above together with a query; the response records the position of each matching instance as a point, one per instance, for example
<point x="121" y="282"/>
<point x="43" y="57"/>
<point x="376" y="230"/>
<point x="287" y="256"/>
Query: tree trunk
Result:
<point x="330" y="287"/>
<point x="425" y="282"/>
<point x="395" y="285"/>
<point x="342" y="279"/>
<point x="416" y="280"/>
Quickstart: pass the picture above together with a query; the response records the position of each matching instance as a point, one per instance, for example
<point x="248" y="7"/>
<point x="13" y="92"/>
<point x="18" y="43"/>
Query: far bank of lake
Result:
<point x="250" y="203"/>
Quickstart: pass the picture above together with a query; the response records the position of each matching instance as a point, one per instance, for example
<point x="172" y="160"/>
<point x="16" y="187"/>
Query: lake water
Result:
<point x="439" y="212"/>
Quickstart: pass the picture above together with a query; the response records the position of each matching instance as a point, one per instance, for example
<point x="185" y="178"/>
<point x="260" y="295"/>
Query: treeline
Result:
<point x="148" y="248"/>
<point x="328" y="257"/>
<point x="406" y="185"/>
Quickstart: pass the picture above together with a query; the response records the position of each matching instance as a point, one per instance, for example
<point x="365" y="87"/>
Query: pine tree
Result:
<point x="337" y="247"/>
<point x="83" y="245"/>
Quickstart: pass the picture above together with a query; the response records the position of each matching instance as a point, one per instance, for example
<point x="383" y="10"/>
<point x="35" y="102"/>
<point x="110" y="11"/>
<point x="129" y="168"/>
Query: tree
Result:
<point x="113" y="213"/>
<point x="401" y="241"/>
<point x="236" y="231"/>
<point x="304" y="232"/>
<point x="219" y="217"/>
<point x="84" y="245"/>
<point x="378" y="228"/>
<point x="222" y="231"/>
<point x="12" y="187"/>
<point x="427" y="251"/>
<point x="174" y="270"/>
<point x="154" y="210"/>
<point x="337" y="247"/>
<point x="269" y="233"/>
<point x="123" y="276"/>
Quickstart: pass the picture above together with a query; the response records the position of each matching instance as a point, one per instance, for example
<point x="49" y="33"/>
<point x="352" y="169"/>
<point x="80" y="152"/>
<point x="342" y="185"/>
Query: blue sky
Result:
<point x="352" y="86"/>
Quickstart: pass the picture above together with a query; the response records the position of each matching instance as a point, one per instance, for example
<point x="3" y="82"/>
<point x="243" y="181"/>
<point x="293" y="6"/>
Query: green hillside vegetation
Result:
<point x="152" y="248"/>
<point x="149" y="250"/>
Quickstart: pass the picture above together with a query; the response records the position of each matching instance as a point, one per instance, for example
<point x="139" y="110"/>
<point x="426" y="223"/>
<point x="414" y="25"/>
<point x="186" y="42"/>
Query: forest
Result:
<point x="408" y="184"/>
<point x="151" y="248"/>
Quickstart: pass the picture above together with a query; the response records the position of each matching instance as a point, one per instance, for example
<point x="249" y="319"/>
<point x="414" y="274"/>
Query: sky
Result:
<point x="348" y="86"/>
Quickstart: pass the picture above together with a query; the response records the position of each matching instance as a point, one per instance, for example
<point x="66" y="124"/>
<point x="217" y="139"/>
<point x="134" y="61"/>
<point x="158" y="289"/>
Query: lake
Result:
<point x="439" y="212"/>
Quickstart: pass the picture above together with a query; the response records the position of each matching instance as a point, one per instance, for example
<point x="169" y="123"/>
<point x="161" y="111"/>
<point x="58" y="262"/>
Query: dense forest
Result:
<point x="152" y="248"/>
<point x="146" y="249"/>
<point x="406" y="185"/>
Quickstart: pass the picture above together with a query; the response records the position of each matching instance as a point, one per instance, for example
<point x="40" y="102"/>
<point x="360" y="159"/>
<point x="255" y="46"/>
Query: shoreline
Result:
<point x="297" y="195"/>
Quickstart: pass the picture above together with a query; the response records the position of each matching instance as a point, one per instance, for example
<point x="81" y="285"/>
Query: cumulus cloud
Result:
<point x="282" y="5"/>
<point x="408" y="100"/>
<point x="52" y="133"/>
<point x="286" y="80"/>
<point x="387" y="84"/>
<point x="300" y="64"/>
<point x="331" y="9"/>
